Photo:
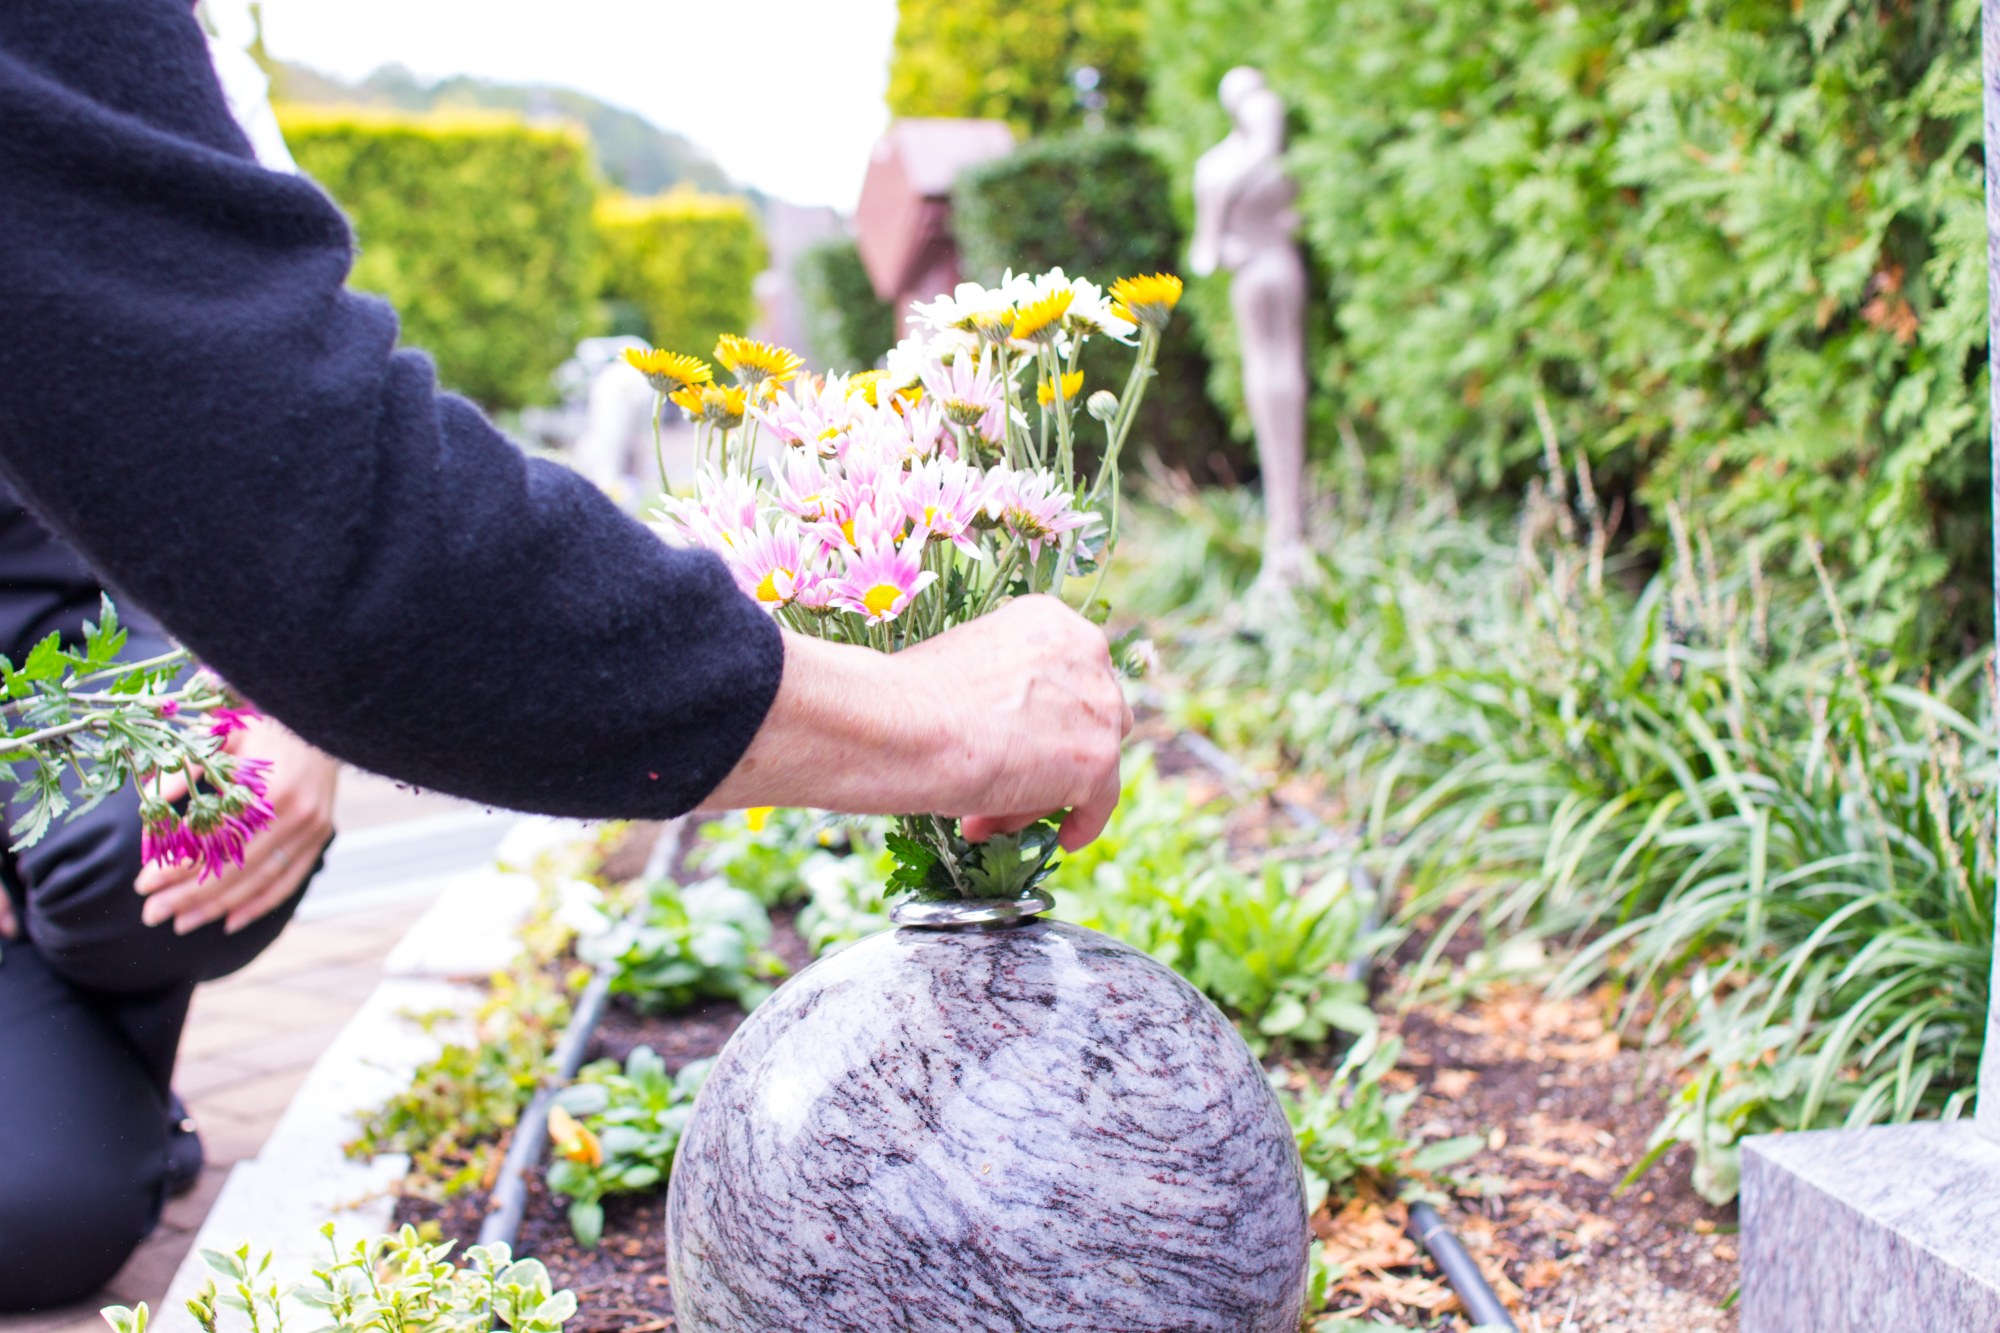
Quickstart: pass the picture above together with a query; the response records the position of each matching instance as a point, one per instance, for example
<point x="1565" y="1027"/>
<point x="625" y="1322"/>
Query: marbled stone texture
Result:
<point x="1872" y="1231"/>
<point x="1031" y="1128"/>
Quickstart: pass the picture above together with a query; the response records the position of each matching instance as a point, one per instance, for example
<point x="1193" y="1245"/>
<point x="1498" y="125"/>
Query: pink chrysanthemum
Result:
<point x="867" y="507"/>
<point x="1034" y="507"/>
<point x="946" y="500"/>
<point x="722" y="515"/>
<point x="881" y="580"/>
<point x="804" y="489"/>
<point x="819" y="417"/>
<point x="771" y="566"/>
<point x="923" y="423"/>
<point x="969" y="394"/>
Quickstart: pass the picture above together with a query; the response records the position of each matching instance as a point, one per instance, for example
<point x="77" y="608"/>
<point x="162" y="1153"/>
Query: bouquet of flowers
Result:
<point x="884" y="508"/>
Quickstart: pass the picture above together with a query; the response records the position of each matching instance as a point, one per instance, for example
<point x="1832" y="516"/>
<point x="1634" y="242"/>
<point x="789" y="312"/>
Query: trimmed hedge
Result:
<point x="1015" y="60"/>
<point x="848" y="327"/>
<point x="686" y="262"/>
<point x="1099" y="206"/>
<point x="1737" y="251"/>
<point x="477" y="228"/>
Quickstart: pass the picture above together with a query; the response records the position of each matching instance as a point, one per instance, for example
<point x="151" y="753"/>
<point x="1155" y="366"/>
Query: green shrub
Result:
<point x="848" y="326"/>
<point x="1736" y="251"/>
<point x="686" y="261"/>
<point x="1098" y="205"/>
<point x="1016" y="60"/>
<point x="476" y="227"/>
<point x="1273" y="946"/>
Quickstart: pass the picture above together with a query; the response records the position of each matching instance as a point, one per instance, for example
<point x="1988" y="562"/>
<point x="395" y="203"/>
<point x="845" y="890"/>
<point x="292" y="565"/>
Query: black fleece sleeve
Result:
<point x="189" y="395"/>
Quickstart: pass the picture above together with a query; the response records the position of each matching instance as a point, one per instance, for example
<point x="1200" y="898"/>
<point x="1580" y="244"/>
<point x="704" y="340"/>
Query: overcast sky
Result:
<point x="787" y="94"/>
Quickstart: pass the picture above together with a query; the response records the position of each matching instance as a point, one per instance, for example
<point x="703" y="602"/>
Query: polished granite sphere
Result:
<point x="1033" y="1127"/>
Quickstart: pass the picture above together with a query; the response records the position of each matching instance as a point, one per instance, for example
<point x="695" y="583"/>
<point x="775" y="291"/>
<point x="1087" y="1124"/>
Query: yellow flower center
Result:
<point x="881" y="599"/>
<point x="767" y="587"/>
<point x="847" y="530"/>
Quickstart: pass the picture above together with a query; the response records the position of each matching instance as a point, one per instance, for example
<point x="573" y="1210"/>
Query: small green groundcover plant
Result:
<point x="385" y="1284"/>
<point x="709" y="940"/>
<point x="615" y="1131"/>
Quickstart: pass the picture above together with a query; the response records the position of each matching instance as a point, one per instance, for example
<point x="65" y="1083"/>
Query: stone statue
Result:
<point x="1245" y="222"/>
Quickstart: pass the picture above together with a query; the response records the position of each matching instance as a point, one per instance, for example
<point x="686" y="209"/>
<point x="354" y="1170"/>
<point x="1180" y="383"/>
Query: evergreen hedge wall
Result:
<point x="686" y="261"/>
<point x="1100" y="206"/>
<point x="848" y="327"/>
<point x="1017" y="61"/>
<point x="476" y="226"/>
<point x="1735" y="249"/>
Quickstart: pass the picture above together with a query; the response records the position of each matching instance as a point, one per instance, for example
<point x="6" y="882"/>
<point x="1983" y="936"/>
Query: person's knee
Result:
<point x="63" y="1235"/>
<point x="82" y="911"/>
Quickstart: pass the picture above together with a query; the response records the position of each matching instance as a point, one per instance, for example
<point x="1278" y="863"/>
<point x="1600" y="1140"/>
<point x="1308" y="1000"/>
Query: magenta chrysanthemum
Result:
<point x="217" y="828"/>
<point x="225" y="721"/>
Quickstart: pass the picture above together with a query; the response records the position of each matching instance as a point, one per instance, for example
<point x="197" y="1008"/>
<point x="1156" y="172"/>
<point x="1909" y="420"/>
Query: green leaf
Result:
<point x="586" y="1223"/>
<point x="1445" y="1153"/>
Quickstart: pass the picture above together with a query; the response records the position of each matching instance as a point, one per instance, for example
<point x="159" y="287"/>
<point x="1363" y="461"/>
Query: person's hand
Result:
<point x="1001" y="721"/>
<point x="277" y="860"/>
<point x="1038" y="714"/>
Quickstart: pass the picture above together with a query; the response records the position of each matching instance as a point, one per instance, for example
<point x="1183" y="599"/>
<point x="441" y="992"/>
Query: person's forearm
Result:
<point x="1013" y="716"/>
<point x="849" y="731"/>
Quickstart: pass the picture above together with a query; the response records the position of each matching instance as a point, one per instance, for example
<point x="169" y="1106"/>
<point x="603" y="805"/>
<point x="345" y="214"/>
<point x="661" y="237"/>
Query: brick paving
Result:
<point x="250" y="1041"/>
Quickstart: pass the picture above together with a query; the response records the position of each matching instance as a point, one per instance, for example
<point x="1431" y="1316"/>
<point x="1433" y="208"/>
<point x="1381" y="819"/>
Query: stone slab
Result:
<point x="1865" y="1231"/>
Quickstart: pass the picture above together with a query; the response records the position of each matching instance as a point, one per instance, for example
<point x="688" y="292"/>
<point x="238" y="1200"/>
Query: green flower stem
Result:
<point x="659" y="448"/>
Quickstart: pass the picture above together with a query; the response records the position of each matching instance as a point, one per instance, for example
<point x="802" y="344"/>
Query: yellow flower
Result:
<point x="865" y="385"/>
<point x="1148" y="301"/>
<point x="995" y="326"/>
<point x="754" y="362"/>
<point x="713" y="403"/>
<point x="573" y="1140"/>
<point x="757" y="816"/>
<point x="1038" y="319"/>
<point x="1072" y="384"/>
<point x="669" y="372"/>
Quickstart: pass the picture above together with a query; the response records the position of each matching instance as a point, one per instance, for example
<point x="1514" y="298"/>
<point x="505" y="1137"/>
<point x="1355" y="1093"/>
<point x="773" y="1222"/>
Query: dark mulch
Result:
<point x="621" y="1286"/>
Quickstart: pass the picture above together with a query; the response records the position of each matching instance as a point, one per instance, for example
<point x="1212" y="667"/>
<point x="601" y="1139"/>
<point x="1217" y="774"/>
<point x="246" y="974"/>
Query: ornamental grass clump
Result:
<point x="886" y="507"/>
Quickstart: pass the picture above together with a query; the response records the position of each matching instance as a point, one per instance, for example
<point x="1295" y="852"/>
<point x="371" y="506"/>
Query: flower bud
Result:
<point x="1103" y="405"/>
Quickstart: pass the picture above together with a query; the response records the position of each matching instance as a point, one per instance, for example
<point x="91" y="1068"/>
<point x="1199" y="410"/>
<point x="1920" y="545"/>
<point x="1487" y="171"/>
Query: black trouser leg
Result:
<point x="91" y="1008"/>
<point x="83" y="1139"/>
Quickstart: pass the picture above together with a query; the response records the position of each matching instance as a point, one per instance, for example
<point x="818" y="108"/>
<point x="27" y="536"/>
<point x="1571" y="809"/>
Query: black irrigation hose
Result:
<point x="531" y="1132"/>
<point x="509" y="1198"/>
<point x="1482" y="1304"/>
